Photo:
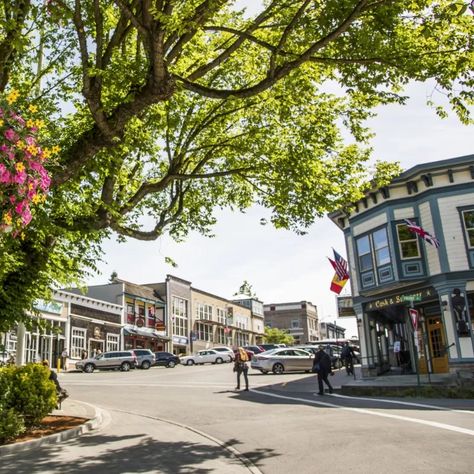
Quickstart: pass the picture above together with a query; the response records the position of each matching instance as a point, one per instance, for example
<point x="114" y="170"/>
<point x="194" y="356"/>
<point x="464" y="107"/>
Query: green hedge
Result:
<point x="26" y="397"/>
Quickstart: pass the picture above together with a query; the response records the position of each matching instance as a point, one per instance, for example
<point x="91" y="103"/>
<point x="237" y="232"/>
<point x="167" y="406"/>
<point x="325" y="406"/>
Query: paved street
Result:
<point x="190" y="420"/>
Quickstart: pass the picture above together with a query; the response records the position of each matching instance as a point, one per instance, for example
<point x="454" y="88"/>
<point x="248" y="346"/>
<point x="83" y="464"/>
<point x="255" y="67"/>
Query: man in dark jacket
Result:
<point x="322" y="365"/>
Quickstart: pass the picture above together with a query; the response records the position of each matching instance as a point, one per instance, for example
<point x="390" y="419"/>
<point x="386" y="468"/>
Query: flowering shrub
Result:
<point x="24" y="181"/>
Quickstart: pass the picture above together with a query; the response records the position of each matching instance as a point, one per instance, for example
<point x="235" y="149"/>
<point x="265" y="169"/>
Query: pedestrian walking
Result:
<point x="322" y="366"/>
<point x="241" y="367"/>
<point x="64" y="357"/>
<point x="83" y="354"/>
<point x="347" y="356"/>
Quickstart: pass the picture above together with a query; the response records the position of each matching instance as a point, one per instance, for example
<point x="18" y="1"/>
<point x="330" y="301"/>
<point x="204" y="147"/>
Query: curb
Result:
<point x="92" y="424"/>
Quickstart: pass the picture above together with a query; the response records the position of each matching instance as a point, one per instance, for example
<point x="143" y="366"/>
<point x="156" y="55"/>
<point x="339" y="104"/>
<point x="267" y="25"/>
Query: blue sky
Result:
<point x="281" y="266"/>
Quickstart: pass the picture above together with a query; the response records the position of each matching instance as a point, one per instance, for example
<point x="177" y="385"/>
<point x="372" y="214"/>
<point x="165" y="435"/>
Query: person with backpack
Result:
<point x="241" y="367"/>
<point x="347" y="357"/>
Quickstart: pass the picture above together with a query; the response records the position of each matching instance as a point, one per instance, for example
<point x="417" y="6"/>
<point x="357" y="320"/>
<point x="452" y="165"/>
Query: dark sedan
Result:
<point x="166" y="359"/>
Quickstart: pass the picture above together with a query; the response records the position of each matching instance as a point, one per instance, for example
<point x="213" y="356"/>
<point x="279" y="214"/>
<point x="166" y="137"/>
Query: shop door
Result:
<point x="437" y="344"/>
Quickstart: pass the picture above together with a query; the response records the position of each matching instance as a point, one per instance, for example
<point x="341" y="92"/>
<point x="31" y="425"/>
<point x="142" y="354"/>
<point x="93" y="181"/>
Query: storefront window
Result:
<point x="78" y="342"/>
<point x="204" y="332"/>
<point x="112" y="342"/>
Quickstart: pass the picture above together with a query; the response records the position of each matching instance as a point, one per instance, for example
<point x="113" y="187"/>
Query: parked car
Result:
<point x="145" y="358"/>
<point x="209" y="356"/>
<point x="254" y="349"/>
<point x="226" y="351"/>
<point x="166" y="359"/>
<point x="267" y="347"/>
<point x="113" y="360"/>
<point x="281" y="360"/>
<point x="333" y="350"/>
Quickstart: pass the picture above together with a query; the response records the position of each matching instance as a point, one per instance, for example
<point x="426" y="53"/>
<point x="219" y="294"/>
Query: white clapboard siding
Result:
<point x="403" y="213"/>
<point x="453" y="230"/>
<point x="369" y="224"/>
<point x="432" y="253"/>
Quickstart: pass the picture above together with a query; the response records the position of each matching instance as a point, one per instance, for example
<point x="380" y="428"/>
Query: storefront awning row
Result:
<point x="145" y="332"/>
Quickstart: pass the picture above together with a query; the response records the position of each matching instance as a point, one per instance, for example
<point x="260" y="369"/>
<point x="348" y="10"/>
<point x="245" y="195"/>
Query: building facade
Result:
<point x="300" y="319"/>
<point x="331" y="331"/>
<point x="143" y="318"/>
<point x="202" y="320"/>
<point x="70" y="322"/>
<point x="257" y="315"/>
<point x="414" y="301"/>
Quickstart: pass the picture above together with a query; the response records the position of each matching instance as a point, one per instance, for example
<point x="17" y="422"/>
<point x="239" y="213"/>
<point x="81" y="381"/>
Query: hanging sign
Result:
<point x="414" y="317"/>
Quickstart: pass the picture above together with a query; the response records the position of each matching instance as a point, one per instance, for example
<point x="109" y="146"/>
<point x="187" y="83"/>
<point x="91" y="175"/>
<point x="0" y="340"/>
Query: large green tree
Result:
<point x="167" y="109"/>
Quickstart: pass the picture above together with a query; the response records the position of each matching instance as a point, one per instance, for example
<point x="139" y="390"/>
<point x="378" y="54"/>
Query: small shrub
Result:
<point x="11" y="425"/>
<point x="28" y="391"/>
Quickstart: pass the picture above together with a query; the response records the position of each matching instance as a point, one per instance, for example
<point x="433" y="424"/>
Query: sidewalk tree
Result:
<point x="165" y="110"/>
<point x="278" y="336"/>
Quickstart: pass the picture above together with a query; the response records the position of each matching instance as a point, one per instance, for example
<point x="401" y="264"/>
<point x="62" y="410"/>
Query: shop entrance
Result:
<point x="437" y="344"/>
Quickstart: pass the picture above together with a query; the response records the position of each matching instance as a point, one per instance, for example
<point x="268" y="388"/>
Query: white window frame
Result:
<point x="204" y="311"/>
<point x="77" y="335"/>
<point x="466" y="228"/>
<point x="414" y="239"/>
<point x="179" y="316"/>
<point x="112" y="342"/>
<point x="204" y="332"/>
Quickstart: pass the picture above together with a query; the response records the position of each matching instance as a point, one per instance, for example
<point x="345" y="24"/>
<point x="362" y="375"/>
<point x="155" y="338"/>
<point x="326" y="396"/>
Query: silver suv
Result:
<point x="123" y="360"/>
<point x="145" y="358"/>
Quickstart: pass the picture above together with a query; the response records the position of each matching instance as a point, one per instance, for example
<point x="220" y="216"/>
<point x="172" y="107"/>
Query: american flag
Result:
<point x="340" y="266"/>
<point x="431" y="239"/>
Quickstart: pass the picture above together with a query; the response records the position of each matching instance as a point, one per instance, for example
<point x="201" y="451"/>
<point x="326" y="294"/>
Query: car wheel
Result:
<point x="125" y="367"/>
<point x="89" y="368"/>
<point x="171" y="364"/>
<point x="190" y="362"/>
<point x="264" y="372"/>
<point x="278" y="369"/>
<point x="219" y="360"/>
<point x="146" y="364"/>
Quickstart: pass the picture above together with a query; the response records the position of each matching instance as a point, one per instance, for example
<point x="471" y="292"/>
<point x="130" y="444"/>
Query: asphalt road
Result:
<point x="281" y="425"/>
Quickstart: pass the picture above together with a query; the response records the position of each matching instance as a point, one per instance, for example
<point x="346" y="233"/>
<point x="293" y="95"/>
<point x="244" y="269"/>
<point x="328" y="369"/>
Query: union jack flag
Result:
<point x="431" y="239"/>
<point x="340" y="266"/>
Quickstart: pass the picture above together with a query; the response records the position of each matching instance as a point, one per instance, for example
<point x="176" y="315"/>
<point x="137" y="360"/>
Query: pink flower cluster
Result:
<point x="24" y="181"/>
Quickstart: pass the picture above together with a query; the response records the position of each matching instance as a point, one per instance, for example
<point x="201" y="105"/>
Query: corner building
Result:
<point x="414" y="302"/>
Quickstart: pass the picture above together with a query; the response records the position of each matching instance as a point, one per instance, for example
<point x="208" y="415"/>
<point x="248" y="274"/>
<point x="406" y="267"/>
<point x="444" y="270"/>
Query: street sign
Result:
<point x="410" y="298"/>
<point x="414" y="317"/>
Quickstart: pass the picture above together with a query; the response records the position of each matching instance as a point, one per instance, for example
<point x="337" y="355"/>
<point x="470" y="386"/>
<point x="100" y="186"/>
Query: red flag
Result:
<point x="337" y="284"/>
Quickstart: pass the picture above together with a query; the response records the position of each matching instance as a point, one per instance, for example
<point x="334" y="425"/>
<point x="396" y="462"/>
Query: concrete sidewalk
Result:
<point x="123" y="442"/>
